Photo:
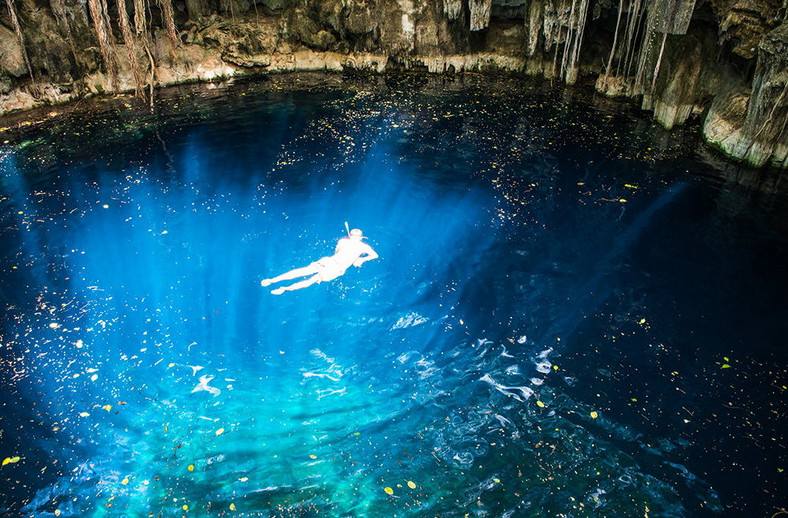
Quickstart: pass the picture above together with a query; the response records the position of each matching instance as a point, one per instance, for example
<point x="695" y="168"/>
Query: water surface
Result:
<point x="573" y="314"/>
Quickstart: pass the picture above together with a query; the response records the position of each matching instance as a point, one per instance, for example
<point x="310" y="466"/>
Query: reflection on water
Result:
<point x="562" y="322"/>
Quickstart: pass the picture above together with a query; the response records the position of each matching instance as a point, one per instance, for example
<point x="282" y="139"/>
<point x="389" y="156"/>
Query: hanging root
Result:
<point x="169" y="20"/>
<point x="659" y="62"/>
<point x="139" y="17"/>
<point x="102" y="31"/>
<point x="131" y="48"/>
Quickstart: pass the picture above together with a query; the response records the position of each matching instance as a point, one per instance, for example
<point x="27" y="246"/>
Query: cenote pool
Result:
<point x="572" y="315"/>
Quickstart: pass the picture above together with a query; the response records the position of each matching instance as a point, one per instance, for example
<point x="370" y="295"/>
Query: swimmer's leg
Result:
<point x="298" y="285"/>
<point x="292" y="274"/>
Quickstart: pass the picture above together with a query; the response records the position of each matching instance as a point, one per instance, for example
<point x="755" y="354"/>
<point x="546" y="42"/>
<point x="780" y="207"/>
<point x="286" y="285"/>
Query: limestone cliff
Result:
<point x="721" y="60"/>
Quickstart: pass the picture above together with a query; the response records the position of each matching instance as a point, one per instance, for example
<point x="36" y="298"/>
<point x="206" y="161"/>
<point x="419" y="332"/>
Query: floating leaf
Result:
<point x="594" y="414"/>
<point x="10" y="460"/>
<point x="185" y="507"/>
<point x="220" y="431"/>
<point x="313" y="457"/>
<point x="94" y="377"/>
<point x="124" y="481"/>
<point x="107" y="407"/>
<point x="243" y="479"/>
<point x="57" y="512"/>
<point x="170" y="365"/>
<point x="411" y="484"/>
<point x="232" y="507"/>
<point x="497" y="480"/>
<point x="725" y="366"/>
<point x="83" y="414"/>
<point x="540" y="404"/>
<point x="191" y="467"/>
<point x="388" y="490"/>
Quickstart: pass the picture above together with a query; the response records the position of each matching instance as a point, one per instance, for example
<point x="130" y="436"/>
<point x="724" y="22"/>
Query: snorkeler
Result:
<point x="350" y="250"/>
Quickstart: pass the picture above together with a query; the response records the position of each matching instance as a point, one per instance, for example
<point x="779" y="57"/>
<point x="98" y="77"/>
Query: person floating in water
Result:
<point x="350" y="251"/>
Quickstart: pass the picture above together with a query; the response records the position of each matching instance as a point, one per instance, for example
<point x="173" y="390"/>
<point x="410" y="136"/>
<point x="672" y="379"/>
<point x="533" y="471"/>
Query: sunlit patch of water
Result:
<point x="509" y="354"/>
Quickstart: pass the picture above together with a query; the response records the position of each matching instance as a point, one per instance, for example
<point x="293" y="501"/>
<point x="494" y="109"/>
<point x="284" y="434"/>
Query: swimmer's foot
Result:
<point x="278" y="291"/>
<point x="266" y="282"/>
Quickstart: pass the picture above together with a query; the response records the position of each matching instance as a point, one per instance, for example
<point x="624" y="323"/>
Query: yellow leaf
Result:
<point x="107" y="407"/>
<point x="170" y="365"/>
<point x="220" y="431"/>
<point x="497" y="480"/>
<point x="57" y="512"/>
<point x="243" y="479"/>
<point x="124" y="481"/>
<point x="232" y="507"/>
<point x="313" y="456"/>
<point x="388" y="490"/>
<point x="622" y="200"/>
<point x="191" y="467"/>
<point x="411" y="484"/>
<point x="185" y="507"/>
<point x="540" y="404"/>
<point x="594" y="414"/>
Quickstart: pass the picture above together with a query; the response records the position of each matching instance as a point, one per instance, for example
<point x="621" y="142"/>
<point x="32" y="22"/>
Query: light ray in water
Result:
<point x="146" y="371"/>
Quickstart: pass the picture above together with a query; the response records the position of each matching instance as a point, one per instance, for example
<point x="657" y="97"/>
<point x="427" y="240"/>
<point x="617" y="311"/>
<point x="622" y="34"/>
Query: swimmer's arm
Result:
<point x="370" y="255"/>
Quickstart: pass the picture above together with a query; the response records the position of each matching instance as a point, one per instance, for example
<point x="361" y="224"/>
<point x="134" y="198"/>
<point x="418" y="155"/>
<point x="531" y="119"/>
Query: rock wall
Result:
<point x="723" y="61"/>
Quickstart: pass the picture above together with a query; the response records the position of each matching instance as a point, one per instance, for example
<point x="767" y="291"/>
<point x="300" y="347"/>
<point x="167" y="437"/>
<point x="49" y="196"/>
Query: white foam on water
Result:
<point x="544" y="367"/>
<point x="203" y="385"/>
<point x="409" y="320"/>
<point x="524" y="392"/>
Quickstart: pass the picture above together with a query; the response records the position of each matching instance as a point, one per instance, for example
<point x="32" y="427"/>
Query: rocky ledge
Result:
<point x="723" y="61"/>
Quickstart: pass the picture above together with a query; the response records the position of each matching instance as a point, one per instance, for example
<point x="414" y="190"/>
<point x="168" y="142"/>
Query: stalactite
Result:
<point x="480" y="13"/>
<point x="533" y="22"/>
<point x="18" y="30"/>
<point x="452" y="9"/>
<point x="131" y="48"/>
<point x="59" y="10"/>
<point x="646" y="47"/>
<point x="169" y="20"/>
<point x="102" y="32"/>
<point x="674" y="15"/>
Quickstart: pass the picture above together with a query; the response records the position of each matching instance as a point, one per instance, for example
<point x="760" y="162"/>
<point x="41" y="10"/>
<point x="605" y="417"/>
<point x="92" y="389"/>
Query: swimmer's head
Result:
<point x="356" y="233"/>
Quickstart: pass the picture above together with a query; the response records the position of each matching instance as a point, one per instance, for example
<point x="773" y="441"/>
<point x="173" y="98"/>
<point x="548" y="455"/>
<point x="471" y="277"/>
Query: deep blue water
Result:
<point x="573" y="313"/>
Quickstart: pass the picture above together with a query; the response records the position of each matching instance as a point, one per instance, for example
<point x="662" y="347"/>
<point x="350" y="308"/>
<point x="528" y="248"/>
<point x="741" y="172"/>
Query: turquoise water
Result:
<point x="572" y="313"/>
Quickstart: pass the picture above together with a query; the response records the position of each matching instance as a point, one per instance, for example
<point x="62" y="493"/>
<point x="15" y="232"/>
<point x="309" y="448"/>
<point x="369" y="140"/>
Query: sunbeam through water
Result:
<point x="562" y="322"/>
